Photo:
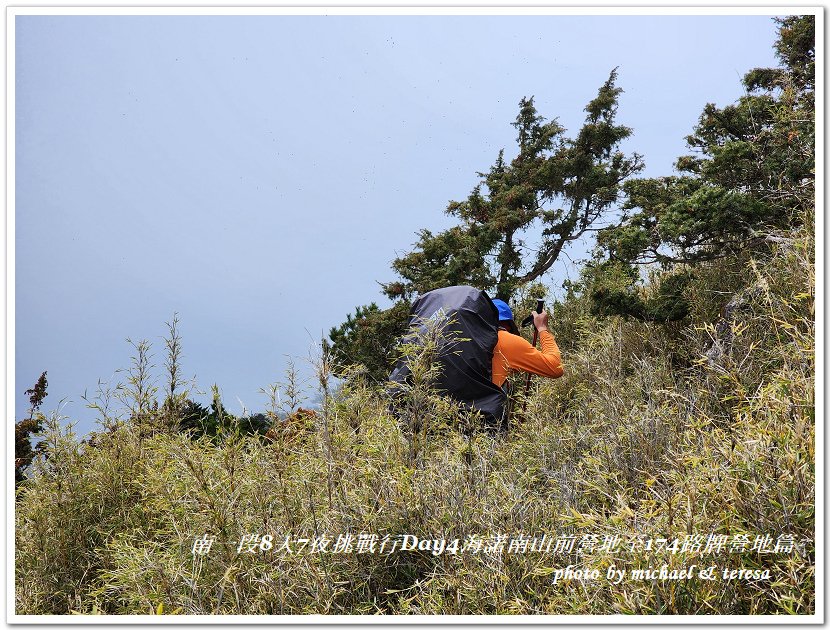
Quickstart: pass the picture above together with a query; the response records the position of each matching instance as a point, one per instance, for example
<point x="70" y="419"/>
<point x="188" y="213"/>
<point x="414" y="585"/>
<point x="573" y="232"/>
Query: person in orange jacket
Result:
<point x="513" y="352"/>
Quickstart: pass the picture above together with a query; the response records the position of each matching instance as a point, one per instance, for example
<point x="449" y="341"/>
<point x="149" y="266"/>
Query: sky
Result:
<point x="257" y="175"/>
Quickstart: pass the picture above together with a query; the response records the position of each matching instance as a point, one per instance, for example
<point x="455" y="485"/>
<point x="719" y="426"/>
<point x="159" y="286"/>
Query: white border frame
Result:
<point x="529" y="8"/>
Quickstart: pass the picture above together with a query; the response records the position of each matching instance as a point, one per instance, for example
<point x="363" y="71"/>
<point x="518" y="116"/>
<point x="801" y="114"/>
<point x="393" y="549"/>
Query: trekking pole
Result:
<point x="540" y="306"/>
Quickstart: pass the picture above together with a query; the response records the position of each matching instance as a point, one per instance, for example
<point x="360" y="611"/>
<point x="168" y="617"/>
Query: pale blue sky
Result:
<point x="257" y="175"/>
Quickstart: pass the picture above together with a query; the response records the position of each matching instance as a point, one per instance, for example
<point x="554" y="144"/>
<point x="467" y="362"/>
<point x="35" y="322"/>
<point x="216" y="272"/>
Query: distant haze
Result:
<point x="257" y="175"/>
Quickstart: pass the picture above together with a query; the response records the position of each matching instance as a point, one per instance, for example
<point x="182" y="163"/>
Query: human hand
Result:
<point x="540" y="320"/>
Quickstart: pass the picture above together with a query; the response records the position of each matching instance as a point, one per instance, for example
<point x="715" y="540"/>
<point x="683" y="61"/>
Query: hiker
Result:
<point x="473" y="371"/>
<point x="465" y="366"/>
<point x="513" y="352"/>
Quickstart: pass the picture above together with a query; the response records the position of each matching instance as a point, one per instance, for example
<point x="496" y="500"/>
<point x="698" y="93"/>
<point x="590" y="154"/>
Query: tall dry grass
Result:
<point x="649" y="434"/>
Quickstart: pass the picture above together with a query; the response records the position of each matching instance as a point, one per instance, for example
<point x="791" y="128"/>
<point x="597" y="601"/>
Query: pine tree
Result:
<point x="513" y="226"/>
<point x="752" y="168"/>
<point x="751" y="171"/>
<point x="522" y="214"/>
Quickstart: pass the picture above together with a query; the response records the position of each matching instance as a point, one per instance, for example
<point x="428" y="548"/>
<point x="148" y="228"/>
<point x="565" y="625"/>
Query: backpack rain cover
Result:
<point x="466" y="360"/>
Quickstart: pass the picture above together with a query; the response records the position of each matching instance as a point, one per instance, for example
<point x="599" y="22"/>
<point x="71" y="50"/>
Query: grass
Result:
<point x="648" y="435"/>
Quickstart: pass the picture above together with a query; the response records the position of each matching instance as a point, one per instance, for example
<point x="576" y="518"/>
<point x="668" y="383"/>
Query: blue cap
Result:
<point x="504" y="311"/>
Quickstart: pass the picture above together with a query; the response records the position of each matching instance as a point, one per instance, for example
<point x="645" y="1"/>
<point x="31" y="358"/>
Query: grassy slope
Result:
<point x="643" y="436"/>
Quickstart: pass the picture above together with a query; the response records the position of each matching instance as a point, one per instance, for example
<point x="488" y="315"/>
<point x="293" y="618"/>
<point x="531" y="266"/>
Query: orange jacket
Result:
<point x="515" y="353"/>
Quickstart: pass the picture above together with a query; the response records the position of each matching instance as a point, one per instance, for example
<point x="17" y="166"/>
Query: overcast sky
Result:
<point x="257" y="175"/>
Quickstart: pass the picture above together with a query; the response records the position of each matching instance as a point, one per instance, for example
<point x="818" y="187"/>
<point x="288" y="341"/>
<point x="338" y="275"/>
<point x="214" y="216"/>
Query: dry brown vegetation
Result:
<point x="654" y="431"/>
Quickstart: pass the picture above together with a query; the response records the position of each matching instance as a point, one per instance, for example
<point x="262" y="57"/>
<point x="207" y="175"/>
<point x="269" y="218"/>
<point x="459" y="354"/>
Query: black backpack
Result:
<point x="472" y="323"/>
